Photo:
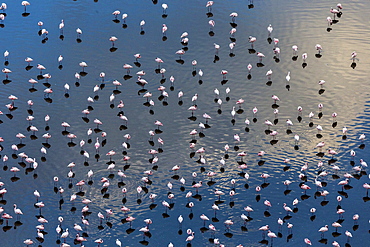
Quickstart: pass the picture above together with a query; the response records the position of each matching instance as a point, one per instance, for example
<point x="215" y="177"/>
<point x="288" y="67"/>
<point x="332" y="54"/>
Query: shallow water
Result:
<point x="300" y="23"/>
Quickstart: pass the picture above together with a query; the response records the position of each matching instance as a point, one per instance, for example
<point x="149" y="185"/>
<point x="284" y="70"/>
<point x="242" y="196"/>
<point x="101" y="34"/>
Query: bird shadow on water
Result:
<point x="264" y="241"/>
<point x="336" y="234"/>
<point x="233" y="24"/>
<point x="216" y="58"/>
<point x="6" y="81"/>
<point x="180" y="61"/>
<point x="273" y="142"/>
<point x="14" y="179"/>
<point x="6" y="228"/>
<point x="48" y="100"/>
<point x="17" y="224"/>
<point x="28" y="67"/>
<point x="365" y="199"/>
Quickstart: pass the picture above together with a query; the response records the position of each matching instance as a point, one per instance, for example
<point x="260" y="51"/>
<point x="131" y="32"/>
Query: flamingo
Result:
<point x="329" y="20"/>
<point x="142" y="23"/>
<point x="79" y="32"/>
<point x="335" y="12"/>
<point x="25" y="4"/>
<point x="17" y="211"/>
<point x="307" y="241"/>
<point x="61" y="26"/>
<point x="249" y="67"/>
<point x="165" y="7"/>
<point x="209" y="6"/>
<point x="180" y="52"/>
<point x="275" y="98"/>
<point x="336" y="225"/>
<point x="211" y="24"/>
<point x="252" y="40"/>
<point x="271" y="235"/>
<point x="127" y="67"/>
<point x="264" y="229"/>
<point x="116" y="13"/>
<point x="354" y="56"/>
<point x="318" y="47"/>
<point x="217" y="47"/>
<point x="254" y="110"/>
<point x="83" y="65"/>
<point x="268" y="74"/>
<point x="228" y="223"/>
<point x="113" y="39"/>
<point x="65" y="235"/>
<point x="304" y="57"/>
<point x="224" y="73"/>
<point x="124" y="16"/>
<point x="6" y="71"/>
<point x="270" y="29"/>
<point x="260" y="55"/>
<point x="233" y="15"/>
<point x="191" y="236"/>
<point x="28" y="60"/>
<point x="295" y="49"/>
<point x="164" y="29"/>
<point x="28" y="242"/>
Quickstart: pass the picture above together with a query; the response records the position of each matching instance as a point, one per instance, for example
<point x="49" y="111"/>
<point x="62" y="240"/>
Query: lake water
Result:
<point x="301" y="23"/>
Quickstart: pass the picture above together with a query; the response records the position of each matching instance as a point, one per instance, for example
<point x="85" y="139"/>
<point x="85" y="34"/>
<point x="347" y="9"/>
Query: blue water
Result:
<point x="300" y="23"/>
